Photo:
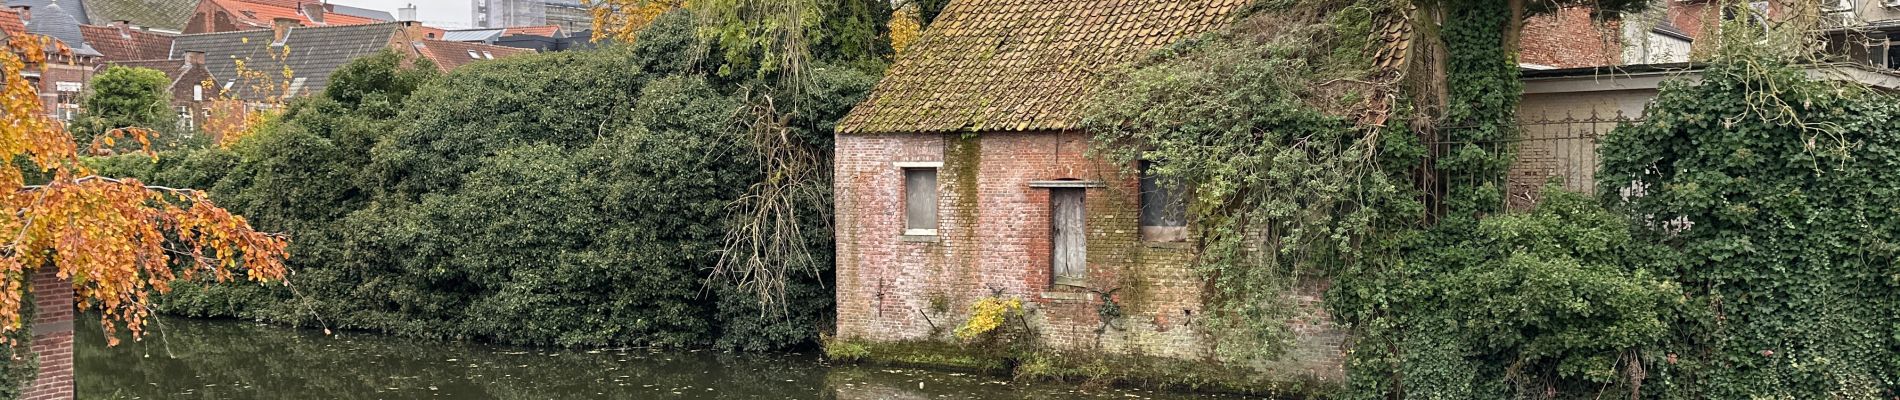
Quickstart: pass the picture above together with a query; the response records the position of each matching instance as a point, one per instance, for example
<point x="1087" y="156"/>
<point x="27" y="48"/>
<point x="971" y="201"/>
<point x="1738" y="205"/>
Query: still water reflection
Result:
<point x="200" y="359"/>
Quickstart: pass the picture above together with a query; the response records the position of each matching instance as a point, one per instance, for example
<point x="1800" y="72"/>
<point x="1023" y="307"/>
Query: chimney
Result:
<point x="406" y="14"/>
<point x="281" y="27"/>
<point x="125" y="27"/>
<point x="314" y="11"/>
<point x="193" y="57"/>
<point x="26" y="12"/>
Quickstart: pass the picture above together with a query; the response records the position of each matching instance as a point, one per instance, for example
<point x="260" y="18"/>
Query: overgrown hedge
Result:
<point x="573" y="199"/>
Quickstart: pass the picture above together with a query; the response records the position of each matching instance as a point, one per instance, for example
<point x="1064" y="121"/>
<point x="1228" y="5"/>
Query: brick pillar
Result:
<point x="52" y="337"/>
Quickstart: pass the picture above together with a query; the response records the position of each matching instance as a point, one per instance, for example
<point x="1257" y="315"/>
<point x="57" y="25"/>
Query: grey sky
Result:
<point x="436" y="13"/>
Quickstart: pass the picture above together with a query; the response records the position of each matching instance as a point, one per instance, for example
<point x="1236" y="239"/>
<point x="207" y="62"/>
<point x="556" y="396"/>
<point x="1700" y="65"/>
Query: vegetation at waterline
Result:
<point x="117" y="241"/>
<point x="503" y="202"/>
<point x="1737" y="250"/>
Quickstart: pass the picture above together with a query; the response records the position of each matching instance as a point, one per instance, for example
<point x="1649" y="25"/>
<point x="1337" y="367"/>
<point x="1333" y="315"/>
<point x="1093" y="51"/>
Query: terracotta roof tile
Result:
<point x="544" y="30"/>
<point x="117" y="44"/>
<point x="1022" y="65"/>
<point x="261" y="13"/>
<point x="451" y="55"/>
<point x="11" y="23"/>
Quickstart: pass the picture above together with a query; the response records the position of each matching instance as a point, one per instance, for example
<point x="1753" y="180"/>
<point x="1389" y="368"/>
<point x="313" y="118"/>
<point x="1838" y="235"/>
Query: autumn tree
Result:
<point x="118" y="240"/>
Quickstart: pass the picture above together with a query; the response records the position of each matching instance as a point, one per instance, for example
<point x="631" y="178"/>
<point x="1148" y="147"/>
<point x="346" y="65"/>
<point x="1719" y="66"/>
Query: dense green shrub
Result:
<point x="130" y="97"/>
<point x="504" y="202"/>
<point x="1561" y="298"/>
<point x="1780" y="191"/>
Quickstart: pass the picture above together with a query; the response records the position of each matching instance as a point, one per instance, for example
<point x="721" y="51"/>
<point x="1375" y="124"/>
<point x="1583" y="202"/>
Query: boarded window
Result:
<point x="1070" y="236"/>
<point x="1163" y="210"/>
<point x="920" y="201"/>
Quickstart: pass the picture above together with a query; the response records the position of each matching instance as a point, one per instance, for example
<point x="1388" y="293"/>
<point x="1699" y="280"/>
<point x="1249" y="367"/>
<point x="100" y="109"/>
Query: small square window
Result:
<point x="920" y="201"/>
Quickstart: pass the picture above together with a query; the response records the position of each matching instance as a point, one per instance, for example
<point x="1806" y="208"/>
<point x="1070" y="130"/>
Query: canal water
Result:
<point x="221" y="359"/>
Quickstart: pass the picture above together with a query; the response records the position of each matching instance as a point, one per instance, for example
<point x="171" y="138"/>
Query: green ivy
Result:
<point x="1268" y="156"/>
<point x="1779" y="191"/>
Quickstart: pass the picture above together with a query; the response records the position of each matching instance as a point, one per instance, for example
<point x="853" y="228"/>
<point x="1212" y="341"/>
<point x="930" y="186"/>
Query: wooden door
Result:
<point x="1070" y="236"/>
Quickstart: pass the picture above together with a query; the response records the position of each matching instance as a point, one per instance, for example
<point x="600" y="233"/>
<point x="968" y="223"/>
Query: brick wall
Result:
<point x="1569" y="38"/>
<point x="52" y="337"/>
<point x="994" y="235"/>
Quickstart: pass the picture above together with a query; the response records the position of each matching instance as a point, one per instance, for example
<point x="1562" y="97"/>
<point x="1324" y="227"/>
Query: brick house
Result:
<point x="965" y="175"/>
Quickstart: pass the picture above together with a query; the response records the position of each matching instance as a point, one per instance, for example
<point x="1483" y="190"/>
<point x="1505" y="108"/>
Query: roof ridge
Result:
<point x="266" y="30"/>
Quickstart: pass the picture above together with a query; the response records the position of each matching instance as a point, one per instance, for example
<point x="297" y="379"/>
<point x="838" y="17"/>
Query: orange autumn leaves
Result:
<point x="622" y="20"/>
<point x="118" y="240"/>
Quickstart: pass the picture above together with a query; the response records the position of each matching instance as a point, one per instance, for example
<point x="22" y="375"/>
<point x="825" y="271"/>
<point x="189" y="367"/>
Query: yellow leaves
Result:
<point x="622" y="20"/>
<point x="987" y="315"/>
<point x="906" y="25"/>
<point x="115" y="239"/>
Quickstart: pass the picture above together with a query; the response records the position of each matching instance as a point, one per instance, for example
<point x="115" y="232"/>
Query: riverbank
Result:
<point x="225" y="359"/>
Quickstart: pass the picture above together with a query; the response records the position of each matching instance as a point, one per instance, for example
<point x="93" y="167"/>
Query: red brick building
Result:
<point x="966" y="175"/>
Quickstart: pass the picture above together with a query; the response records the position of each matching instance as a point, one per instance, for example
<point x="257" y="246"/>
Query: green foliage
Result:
<point x="1483" y="88"/>
<point x="18" y="364"/>
<point x="1270" y="160"/>
<point x="1779" y="191"/>
<point x="927" y="11"/>
<point x="127" y="97"/>
<point x="504" y="203"/>
<point x="1562" y="299"/>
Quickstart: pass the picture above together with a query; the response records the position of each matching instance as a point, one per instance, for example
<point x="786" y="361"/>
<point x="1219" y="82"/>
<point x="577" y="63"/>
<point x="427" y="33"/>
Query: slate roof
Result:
<point x="117" y="44"/>
<point x="170" y="15"/>
<point x="378" y="15"/>
<point x="1022" y="65"/>
<point x="472" y="35"/>
<point x="314" y="53"/>
<point x="50" y="18"/>
<point x="449" y="55"/>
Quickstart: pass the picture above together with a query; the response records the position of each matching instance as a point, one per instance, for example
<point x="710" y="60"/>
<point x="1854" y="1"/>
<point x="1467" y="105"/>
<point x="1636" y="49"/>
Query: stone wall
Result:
<point x="994" y="237"/>
<point x="52" y="337"/>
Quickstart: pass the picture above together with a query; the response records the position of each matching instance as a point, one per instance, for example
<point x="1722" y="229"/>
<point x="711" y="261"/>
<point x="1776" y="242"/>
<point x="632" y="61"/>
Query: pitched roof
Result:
<point x="11" y="23"/>
<point x="1022" y="65"/>
<point x="262" y="13"/>
<point x="117" y="43"/>
<point x="313" y="53"/>
<point x="170" y="15"/>
<point x="472" y="35"/>
<point x="50" y="18"/>
<point x="449" y="55"/>
<point x="378" y="15"/>
<point x="553" y="31"/>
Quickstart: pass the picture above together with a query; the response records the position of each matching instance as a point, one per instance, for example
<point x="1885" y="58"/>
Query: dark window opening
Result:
<point x="1163" y="208"/>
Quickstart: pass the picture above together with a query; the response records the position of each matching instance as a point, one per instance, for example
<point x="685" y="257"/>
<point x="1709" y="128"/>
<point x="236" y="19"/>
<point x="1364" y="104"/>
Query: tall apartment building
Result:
<point x="571" y="15"/>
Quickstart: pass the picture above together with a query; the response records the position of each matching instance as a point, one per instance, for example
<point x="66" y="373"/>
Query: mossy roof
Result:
<point x="1022" y="65"/>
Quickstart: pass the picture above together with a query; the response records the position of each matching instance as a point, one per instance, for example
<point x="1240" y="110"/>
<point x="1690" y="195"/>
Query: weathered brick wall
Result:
<point x="1569" y="38"/>
<point x="994" y="236"/>
<point x="52" y="337"/>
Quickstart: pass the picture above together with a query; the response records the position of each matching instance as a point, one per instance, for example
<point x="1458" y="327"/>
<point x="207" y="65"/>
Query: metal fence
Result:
<point x="1556" y="150"/>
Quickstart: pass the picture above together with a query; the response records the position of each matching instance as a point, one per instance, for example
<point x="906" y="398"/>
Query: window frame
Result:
<point x="905" y="196"/>
<point x="1154" y="232"/>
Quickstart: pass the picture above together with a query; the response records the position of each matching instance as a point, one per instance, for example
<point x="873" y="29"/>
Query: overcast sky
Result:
<point x="436" y="13"/>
